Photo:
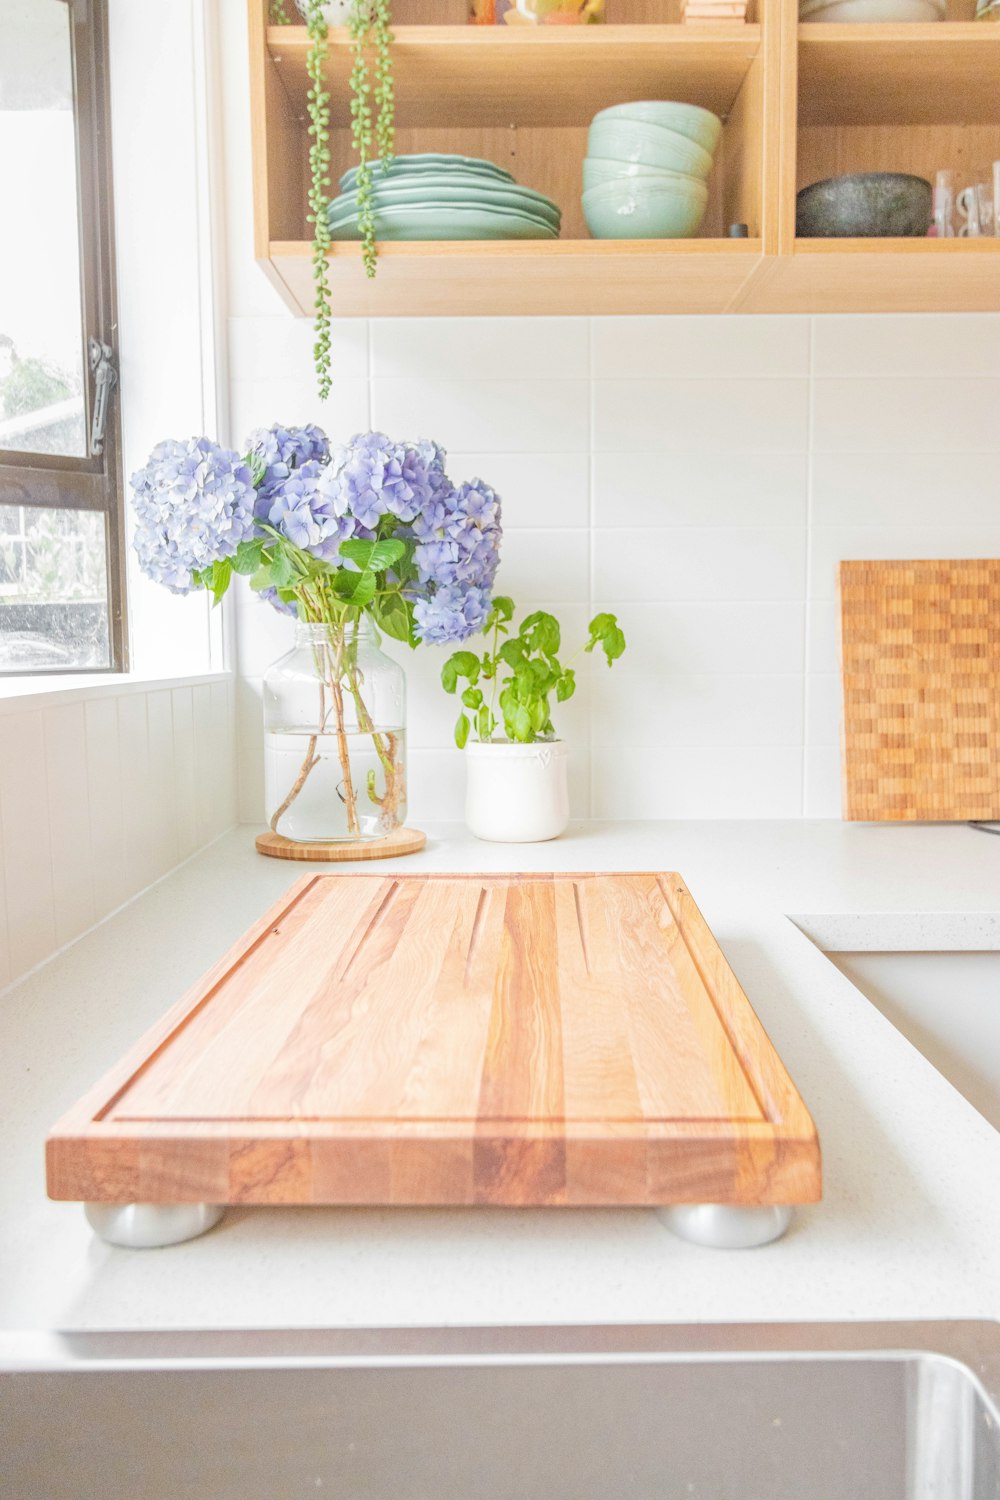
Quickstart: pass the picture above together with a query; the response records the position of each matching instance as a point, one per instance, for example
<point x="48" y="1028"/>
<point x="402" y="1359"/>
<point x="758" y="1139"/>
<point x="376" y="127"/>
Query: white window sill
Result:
<point x="37" y="691"/>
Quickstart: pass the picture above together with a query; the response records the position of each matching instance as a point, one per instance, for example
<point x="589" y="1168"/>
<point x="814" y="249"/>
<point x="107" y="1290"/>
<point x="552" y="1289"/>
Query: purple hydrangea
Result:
<point x="450" y="613"/>
<point x="272" y="597"/>
<point x="194" y="502"/>
<point x="275" y="452"/>
<point x="301" y="509"/>
<point x="371" y="477"/>
<point x="464" y="546"/>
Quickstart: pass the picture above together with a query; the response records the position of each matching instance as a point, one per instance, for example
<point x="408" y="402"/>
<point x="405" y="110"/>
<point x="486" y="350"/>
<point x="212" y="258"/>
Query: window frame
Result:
<point x="91" y="482"/>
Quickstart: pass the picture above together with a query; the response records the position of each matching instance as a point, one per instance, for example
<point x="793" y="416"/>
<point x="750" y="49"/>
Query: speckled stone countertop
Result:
<point x="910" y="1222"/>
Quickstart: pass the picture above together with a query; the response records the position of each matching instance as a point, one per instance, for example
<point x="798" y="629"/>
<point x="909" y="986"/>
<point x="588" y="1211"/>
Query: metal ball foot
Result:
<point x="722" y="1227"/>
<point x="149" y="1226"/>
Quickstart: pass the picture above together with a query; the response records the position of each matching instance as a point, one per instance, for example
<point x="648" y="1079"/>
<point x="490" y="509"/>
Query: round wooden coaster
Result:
<point x="401" y="841"/>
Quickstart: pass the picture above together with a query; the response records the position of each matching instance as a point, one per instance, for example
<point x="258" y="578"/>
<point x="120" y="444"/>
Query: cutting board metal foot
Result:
<point x="723" y="1227"/>
<point x="151" y="1226"/>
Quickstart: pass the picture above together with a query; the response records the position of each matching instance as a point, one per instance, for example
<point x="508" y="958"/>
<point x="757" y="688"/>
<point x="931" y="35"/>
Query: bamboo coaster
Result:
<point x="400" y="841"/>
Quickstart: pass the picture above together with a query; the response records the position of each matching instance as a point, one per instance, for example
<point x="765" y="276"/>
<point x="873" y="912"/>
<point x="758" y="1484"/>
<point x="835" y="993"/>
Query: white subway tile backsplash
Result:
<point x="449" y="349"/>
<point x="536" y="489"/>
<point x="691" y="348"/>
<point x="890" y="344"/>
<point x="281" y="348"/>
<point x="466" y="414"/>
<point x="822" y="796"/>
<point x="717" y="781"/>
<point x="689" y="562"/>
<point x="545" y="564"/>
<point x="824" y="705"/>
<point x="293" y="399"/>
<point x="903" y="490"/>
<point x="648" y="705"/>
<point x="933" y="415"/>
<point x="683" y="415"/>
<point x="709" y="488"/>
<point x="829" y="545"/>
<point x="698" y="638"/>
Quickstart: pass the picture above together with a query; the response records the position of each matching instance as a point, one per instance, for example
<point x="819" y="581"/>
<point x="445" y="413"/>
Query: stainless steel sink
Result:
<point x="749" y="1412"/>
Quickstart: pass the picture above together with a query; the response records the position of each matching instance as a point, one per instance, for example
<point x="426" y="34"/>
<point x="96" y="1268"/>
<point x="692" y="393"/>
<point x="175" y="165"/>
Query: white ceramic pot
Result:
<point x="517" y="794"/>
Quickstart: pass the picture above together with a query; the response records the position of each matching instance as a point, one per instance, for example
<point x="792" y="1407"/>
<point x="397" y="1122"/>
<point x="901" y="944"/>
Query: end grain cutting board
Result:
<point x="454" y="1039"/>
<point x="920" y="654"/>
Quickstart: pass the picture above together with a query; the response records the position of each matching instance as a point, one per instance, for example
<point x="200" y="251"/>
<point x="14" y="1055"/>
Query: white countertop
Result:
<point x="910" y="1222"/>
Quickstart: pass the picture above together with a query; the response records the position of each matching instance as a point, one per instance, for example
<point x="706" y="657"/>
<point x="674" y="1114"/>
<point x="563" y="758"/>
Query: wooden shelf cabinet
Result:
<point x="800" y="102"/>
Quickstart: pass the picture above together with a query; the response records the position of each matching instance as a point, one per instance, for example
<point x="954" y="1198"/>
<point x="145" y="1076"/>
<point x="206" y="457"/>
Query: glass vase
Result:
<point x="335" y="736"/>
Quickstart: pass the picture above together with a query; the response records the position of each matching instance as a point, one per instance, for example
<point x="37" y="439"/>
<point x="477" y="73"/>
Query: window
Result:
<point x="61" y="563"/>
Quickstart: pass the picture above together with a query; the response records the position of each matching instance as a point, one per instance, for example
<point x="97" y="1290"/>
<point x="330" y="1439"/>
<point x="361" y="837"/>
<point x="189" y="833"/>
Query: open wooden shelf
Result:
<point x="479" y="76"/>
<point x="800" y="102"/>
<point x="495" y="277"/>
<point x="899" y="75"/>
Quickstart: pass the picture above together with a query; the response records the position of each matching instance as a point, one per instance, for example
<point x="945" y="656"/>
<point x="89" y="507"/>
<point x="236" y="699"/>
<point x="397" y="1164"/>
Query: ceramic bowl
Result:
<point x="447" y="221"/>
<point x="596" y="171"/>
<point x="452" y="188"/>
<point x="870" y="11"/>
<point x="698" y="124"/>
<point x="652" y="145"/>
<point x="428" y="161"/>
<point x="623" y="211"/>
<point x="865" y="205"/>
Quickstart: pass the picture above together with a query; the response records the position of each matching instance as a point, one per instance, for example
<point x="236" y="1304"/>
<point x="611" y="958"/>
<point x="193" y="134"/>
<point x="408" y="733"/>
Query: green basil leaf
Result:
<point x="462" y="728"/>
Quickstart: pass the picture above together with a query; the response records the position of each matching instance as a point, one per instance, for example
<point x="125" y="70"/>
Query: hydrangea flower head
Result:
<point x="302" y="510"/>
<point x="451" y="613"/>
<point x="274" y="452"/>
<point x="194" y="502"/>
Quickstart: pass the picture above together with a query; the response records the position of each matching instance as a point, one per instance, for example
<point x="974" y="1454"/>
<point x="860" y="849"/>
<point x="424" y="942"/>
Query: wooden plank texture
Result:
<point x="920" y="645"/>
<point x="454" y="1039"/>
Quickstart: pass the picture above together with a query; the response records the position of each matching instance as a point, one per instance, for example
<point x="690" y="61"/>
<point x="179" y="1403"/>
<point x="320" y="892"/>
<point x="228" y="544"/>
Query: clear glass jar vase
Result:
<point x="335" y="736"/>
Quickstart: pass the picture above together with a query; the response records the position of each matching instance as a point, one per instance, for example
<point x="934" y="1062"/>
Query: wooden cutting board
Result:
<point x="920" y="654"/>
<point x="454" y="1039"/>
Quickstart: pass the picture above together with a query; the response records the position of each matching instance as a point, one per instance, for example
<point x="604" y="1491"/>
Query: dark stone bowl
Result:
<point x="868" y="204"/>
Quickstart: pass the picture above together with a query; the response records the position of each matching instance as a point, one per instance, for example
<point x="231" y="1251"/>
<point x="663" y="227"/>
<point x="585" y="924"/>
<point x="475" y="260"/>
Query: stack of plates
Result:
<point x="871" y="11"/>
<point x="434" y="197"/>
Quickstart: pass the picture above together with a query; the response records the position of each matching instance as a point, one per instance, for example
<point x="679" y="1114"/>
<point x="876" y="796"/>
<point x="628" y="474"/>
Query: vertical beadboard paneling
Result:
<point x="65" y="733"/>
<point x="185" y="810"/>
<point x="27" y="842"/>
<point x="104" y="795"/>
<point x="99" y="796"/>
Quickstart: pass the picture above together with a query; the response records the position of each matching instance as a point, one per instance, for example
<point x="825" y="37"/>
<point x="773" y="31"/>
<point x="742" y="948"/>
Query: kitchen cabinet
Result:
<point x="800" y="102"/>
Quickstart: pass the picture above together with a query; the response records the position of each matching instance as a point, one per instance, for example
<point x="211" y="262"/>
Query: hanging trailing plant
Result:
<point x="373" y="124"/>
<point x="277" y="15"/>
<point x="319" y="187"/>
<point x="373" y="133"/>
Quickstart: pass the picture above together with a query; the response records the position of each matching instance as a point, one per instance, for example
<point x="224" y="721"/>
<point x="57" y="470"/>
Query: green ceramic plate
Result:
<point x="438" y="191"/>
<point x="447" y="221"/>
<point x="429" y="161"/>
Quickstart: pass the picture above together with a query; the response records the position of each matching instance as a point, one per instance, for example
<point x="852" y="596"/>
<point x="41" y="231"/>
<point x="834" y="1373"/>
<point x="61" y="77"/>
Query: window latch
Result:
<point x="105" y="379"/>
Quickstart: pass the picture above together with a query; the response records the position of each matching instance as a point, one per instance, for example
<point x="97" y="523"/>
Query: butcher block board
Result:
<point x="540" y="1039"/>
<point x="920" y="654"/>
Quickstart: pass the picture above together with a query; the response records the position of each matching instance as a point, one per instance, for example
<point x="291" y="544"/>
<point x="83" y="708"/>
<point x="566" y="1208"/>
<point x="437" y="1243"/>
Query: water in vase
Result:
<point x="305" y="783"/>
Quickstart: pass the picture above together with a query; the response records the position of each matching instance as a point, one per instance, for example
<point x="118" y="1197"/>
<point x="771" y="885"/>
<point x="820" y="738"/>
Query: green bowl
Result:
<point x="452" y="188"/>
<point x="427" y="161"/>
<point x="620" y="211"/>
<point x="651" y="145"/>
<point x="699" y="125"/>
<point x="597" y="172"/>
<point x="447" y="221"/>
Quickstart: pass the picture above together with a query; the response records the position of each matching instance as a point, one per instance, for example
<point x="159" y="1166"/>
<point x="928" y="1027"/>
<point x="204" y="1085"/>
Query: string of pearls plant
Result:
<point x="373" y="134"/>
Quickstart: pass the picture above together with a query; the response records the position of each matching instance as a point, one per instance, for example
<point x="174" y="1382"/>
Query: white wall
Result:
<point x="700" y="476"/>
<point x="102" y="791"/>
